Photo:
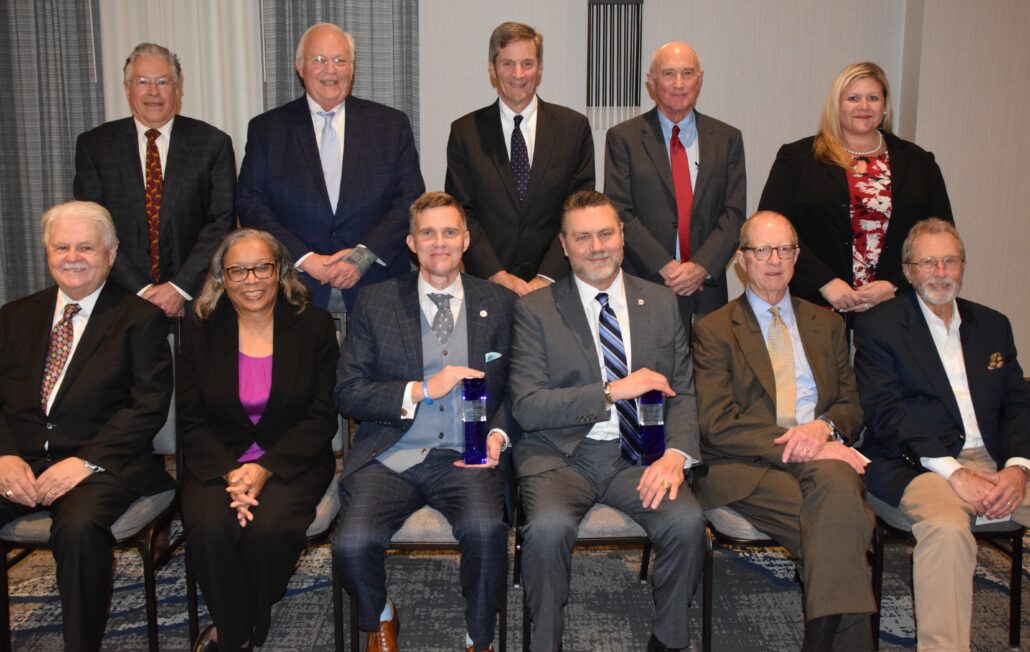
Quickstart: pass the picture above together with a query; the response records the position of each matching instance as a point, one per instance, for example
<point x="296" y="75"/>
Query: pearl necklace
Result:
<point x="872" y="151"/>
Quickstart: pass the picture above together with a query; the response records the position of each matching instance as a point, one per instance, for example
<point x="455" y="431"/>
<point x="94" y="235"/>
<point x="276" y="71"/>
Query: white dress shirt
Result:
<point x="79" y="322"/>
<point x="528" y="126"/>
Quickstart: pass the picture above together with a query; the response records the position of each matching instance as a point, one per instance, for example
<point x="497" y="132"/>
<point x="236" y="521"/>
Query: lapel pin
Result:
<point x="640" y="302"/>
<point x="995" y="361"/>
<point x="483" y="313"/>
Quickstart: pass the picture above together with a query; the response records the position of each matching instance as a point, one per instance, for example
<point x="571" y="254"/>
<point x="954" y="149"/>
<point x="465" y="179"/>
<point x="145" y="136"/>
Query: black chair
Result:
<point x="140" y="526"/>
<point x="601" y="527"/>
<point x="894" y="527"/>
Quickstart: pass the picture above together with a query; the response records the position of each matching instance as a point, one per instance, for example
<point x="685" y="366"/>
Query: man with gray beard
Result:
<point x="948" y="421"/>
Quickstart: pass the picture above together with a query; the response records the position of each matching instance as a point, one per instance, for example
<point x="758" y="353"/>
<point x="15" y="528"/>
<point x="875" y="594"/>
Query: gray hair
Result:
<point x="85" y="210"/>
<point x="159" y="50"/>
<point x="930" y="226"/>
<point x="299" y="56"/>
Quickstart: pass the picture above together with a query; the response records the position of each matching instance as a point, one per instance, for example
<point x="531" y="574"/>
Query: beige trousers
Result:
<point x="945" y="555"/>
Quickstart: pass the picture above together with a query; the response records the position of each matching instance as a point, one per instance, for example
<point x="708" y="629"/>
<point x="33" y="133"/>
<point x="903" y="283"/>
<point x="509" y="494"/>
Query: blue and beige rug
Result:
<point x="757" y="604"/>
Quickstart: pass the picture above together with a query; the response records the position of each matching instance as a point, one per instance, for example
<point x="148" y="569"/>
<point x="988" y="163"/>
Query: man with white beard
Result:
<point x="948" y="420"/>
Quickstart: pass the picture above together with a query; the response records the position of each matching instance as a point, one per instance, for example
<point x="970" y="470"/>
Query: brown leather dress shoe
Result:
<point x="385" y="640"/>
<point x="469" y="648"/>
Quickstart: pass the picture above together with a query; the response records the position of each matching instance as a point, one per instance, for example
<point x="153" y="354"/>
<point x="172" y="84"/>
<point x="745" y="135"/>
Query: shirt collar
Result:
<point x="527" y="113"/>
<point x="688" y="126"/>
<point x="933" y="321"/>
<point x="455" y="289"/>
<point x="86" y="304"/>
<point x="761" y="307"/>
<point x="141" y="129"/>
<point x="316" y="108"/>
<point x="588" y="293"/>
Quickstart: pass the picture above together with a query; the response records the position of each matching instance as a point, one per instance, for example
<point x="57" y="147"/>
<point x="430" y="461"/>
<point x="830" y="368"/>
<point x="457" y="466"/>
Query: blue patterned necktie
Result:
<point x="519" y="160"/>
<point x="615" y="368"/>
<point x="332" y="162"/>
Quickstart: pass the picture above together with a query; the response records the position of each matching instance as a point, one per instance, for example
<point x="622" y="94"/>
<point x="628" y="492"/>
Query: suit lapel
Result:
<point x="354" y="130"/>
<point x="99" y="323"/>
<point x="976" y="354"/>
<point x="543" y="147"/>
<point x="285" y="344"/>
<point x="409" y="315"/>
<point x="304" y="133"/>
<point x="488" y="123"/>
<point x="707" y="149"/>
<point x="225" y="364"/>
<point x="477" y="320"/>
<point x="128" y="162"/>
<point x="749" y="338"/>
<point x="640" y="335"/>
<point x="653" y="141"/>
<point x="813" y="341"/>
<point x="916" y="335"/>
<point x="566" y="301"/>
<point x="38" y="340"/>
<point x="180" y="151"/>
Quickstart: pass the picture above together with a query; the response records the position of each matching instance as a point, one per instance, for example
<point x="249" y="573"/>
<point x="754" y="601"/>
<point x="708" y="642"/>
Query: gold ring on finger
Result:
<point x="666" y="484"/>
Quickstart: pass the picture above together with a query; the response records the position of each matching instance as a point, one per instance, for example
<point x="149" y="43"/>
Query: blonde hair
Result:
<point x="829" y="142"/>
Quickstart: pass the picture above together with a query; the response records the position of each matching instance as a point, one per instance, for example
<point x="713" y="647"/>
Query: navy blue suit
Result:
<point x="282" y="188"/>
<point x="381" y="354"/>
<point x="910" y="408"/>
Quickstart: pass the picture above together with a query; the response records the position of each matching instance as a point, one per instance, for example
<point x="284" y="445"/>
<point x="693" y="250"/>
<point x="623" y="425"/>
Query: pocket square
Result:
<point x="995" y="361"/>
<point x="492" y="355"/>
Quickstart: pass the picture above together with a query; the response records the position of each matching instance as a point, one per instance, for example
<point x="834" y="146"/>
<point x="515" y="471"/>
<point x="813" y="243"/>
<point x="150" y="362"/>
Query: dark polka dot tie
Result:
<point x="519" y="160"/>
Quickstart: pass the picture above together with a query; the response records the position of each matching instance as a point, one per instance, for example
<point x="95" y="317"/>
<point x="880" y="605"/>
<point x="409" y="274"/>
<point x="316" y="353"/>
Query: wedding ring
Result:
<point x="666" y="484"/>
<point x="51" y="492"/>
<point x="8" y="493"/>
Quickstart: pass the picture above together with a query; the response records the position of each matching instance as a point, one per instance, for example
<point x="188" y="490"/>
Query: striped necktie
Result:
<point x="614" y="351"/>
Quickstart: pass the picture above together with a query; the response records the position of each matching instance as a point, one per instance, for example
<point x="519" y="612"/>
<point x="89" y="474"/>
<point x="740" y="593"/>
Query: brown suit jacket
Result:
<point x="736" y="393"/>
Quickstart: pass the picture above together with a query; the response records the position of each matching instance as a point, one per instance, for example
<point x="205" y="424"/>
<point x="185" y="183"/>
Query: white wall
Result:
<point x="957" y="70"/>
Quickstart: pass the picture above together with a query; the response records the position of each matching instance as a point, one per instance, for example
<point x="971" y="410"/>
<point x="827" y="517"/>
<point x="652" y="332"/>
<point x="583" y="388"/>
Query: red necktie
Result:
<point x="154" y="188"/>
<point x="60" y="346"/>
<point x="684" y="191"/>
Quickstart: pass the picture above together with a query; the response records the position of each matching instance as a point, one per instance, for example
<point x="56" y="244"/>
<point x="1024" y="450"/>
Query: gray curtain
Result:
<point x="386" y="36"/>
<point x="52" y="91"/>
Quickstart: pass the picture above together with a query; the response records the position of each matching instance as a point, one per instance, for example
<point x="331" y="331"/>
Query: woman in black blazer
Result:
<point x="853" y="191"/>
<point x="254" y="389"/>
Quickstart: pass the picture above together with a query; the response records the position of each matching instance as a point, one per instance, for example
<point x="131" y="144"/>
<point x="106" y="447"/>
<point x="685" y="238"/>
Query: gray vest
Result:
<point x="437" y="425"/>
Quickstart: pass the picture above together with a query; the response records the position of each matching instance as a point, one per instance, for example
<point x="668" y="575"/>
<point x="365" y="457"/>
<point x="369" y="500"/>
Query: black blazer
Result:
<point x="299" y="421"/>
<point x="114" y="396"/>
<point x="814" y="196"/>
<point x="521" y="238"/>
<point x="909" y="406"/>
<point x="196" y="205"/>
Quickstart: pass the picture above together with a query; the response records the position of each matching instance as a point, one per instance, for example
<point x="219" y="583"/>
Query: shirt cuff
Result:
<point x="301" y="260"/>
<point x="690" y="460"/>
<point x="407" y="405"/>
<point x="942" y="466"/>
<point x="185" y="295"/>
<point x="144" y="289"/>
<point x="546" y="278"/>
<point x="1018" y="461"/>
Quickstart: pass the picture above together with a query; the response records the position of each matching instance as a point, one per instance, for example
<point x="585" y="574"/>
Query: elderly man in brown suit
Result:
<point x="778" y="409"/>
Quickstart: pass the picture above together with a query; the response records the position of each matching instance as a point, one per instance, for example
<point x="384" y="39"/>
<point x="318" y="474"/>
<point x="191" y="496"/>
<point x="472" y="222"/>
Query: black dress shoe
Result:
<point x="820" y="632"/>
<point x="654" y="645"/>
<point x="204" y="641"/>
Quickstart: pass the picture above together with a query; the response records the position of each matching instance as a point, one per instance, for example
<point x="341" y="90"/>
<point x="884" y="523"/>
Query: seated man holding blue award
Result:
<point x="778" y="409"/>
<point x="593" y="356"/>
<point x="420" y="353"/>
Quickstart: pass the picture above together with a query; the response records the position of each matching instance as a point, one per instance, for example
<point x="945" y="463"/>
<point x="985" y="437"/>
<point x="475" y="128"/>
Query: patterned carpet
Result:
<point x="757" y="604"/>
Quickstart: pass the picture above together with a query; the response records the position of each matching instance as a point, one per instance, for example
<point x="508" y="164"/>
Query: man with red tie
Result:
<point x="677" y="179"/>
<point x="85" y="382"/>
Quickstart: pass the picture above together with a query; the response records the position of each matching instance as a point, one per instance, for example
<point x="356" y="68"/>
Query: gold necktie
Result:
<point x="781" y="353"/>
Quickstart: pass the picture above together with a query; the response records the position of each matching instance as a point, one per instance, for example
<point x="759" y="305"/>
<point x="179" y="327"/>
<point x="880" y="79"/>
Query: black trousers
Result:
<point x="243" y="571"/>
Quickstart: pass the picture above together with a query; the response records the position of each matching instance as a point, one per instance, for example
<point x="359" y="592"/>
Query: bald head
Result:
<point x="674" y="79"/>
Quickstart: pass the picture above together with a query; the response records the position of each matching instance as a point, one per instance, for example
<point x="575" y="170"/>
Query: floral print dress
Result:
<point x="869" y="188"/>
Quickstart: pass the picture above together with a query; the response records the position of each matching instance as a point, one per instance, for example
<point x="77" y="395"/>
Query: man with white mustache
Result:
<point x="332" y="176"/>
<point x="85" y="382"/>
<point x="948" y="420"/>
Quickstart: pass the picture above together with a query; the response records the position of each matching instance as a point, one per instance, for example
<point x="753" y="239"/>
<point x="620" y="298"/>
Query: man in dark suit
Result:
<point x="332" y="176"/>
<point x="513" y="163"/>
<point x="574" y="345"/>
<point x="682" y="199"/>
<point x="85" y="382"/>
<point x="410" y="343"/>
<point x="170" y="192"/>
<point x="948" y="421"/>
<point x="778" y="407"/>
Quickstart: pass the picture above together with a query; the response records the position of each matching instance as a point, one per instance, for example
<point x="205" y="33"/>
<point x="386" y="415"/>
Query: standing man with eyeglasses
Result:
<point x="677" y="178"/>
<point x="778" y="410"/>
<point x="167" y="180"/>
<point x="332" y="176"/>
<point x="948" y="424"/>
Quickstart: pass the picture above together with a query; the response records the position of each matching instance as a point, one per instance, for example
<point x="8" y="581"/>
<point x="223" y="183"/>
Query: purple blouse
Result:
<point x="255" y="385"/>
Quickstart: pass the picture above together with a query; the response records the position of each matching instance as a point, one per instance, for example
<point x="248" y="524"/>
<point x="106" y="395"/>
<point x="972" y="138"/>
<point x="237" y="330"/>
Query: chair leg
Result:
<point x="1016" y="589"/>
<point x="526" y="625"/>
<point x="192" y="610"/>
<point x="877" y="565"/>
<point x="706" y="597"/>
<point x="645" y="561"/>
<point x="150" y="586"/>
<point x="5" y="603"/>
<point x="502" y="627"/>
<point x="516" y="573"/>
<point x="338" y="611"/>
<point x="353" y="624"/>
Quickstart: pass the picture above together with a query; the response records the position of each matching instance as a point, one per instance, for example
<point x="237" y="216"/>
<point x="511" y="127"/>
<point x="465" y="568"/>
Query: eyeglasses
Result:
<point x="144" y="82"/>
<point x="785" y="252"/>
<point x="929" y="264"/>
<point x="321" y="60"/>
<point x="238" y="274"/>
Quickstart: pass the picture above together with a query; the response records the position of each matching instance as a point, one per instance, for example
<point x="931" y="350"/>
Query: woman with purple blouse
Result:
<point x="254" y="387"/>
